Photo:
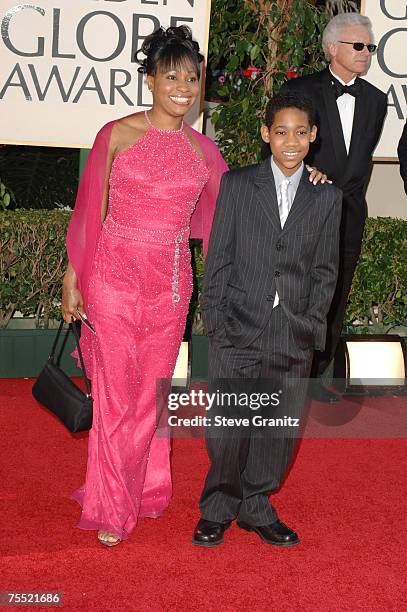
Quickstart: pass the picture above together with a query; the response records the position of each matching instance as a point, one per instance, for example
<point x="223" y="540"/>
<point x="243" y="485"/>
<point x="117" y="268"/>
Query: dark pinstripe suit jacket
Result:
<point x="250" y="257"/>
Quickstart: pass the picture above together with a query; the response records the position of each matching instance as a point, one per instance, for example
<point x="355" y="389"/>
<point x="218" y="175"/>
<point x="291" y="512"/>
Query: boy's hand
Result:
<point x="317" y="176"/>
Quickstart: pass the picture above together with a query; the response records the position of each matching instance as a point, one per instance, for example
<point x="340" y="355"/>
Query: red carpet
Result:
<point x="346" y="498"/>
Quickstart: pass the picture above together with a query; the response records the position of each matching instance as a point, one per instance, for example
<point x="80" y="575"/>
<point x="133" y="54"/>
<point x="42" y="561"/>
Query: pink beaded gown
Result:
<point x="138" y="297"/>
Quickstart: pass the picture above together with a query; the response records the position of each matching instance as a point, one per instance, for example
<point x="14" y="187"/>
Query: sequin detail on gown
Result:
<point x="138" y="300"/>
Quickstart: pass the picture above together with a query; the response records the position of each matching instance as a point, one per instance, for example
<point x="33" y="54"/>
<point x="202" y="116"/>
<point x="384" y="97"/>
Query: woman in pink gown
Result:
<point x="150" y="179"/>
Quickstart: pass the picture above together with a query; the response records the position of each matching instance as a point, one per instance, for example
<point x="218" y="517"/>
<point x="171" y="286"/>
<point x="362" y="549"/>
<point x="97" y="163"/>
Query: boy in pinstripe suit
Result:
<point x="269" y="280"/>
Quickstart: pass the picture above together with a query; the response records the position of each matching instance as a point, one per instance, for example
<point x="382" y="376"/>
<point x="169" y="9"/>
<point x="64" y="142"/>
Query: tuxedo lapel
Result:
<point x="266" y="193"/>
<point x="358" y="127"/>
<point x="334" y="120"/>
<point x="303" y="198"/>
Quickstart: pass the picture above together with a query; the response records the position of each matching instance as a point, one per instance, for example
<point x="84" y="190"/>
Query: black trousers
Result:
<point x="347" y="264"/>
<point x="247" y="464"/>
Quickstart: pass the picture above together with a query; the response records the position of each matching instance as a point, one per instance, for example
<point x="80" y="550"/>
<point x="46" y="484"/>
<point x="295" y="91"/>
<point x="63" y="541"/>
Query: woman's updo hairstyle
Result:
<point x="169" y="49"/>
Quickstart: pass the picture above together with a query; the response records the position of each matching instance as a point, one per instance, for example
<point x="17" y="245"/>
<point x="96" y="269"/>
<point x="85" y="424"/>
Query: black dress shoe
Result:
<point x="318" y="392"/>
<point x="209" y="533"/>
<point x="276" y="534"/>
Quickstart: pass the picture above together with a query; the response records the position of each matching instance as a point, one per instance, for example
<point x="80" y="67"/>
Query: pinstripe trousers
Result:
<point x="247" y="464"/>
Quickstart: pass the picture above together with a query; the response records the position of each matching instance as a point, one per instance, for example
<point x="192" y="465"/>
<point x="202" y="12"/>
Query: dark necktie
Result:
<point x="340" y="89"/>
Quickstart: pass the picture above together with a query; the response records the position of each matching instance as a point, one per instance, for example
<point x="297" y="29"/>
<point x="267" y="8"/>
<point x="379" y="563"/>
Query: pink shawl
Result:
<point x="85" y="226"/>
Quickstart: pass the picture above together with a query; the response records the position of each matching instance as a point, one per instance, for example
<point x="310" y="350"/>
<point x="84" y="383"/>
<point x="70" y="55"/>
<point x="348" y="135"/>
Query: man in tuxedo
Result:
<point x="350" y="115"/>
<point x="402" y="153"/>
<point x="270" y="275"/>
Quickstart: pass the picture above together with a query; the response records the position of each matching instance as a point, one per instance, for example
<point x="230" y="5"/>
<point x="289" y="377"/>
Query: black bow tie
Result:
<point x="340" y="89"/>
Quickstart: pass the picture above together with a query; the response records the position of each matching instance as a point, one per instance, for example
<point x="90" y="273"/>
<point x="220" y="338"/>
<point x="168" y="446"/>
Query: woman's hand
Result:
<point x="317" y="176"/>
<point x="72" y="300"/>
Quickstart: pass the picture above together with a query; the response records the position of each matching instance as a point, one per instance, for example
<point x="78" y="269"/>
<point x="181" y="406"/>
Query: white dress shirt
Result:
<point x="346" y="108"/>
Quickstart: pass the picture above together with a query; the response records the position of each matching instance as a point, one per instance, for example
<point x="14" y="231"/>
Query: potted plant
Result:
<point x="199" y="340"/>
<point x="32" y="263"/>
<point x="378" y="299"/>
<point x="266" y="42"/>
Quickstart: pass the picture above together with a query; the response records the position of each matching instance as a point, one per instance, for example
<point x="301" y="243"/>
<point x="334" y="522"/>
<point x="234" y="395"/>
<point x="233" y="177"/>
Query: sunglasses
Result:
<point x="359" y="46"/>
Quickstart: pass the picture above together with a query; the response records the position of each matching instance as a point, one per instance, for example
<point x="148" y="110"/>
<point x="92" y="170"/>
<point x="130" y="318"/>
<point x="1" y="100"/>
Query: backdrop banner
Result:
<point x="389" y="68"/>
<point x="67" y="67"/>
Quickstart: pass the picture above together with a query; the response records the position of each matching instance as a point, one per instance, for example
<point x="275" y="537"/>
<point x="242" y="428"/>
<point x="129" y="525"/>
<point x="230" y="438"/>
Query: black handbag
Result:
<point x="56" y="391"/>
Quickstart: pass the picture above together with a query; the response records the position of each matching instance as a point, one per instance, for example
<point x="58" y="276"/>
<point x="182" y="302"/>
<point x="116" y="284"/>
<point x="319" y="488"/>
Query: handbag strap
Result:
<point x="72" y="327"/>
<point x="51" y="356"/>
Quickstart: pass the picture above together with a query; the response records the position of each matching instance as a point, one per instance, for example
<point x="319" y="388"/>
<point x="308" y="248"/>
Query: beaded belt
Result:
<point x="156" y="236"/>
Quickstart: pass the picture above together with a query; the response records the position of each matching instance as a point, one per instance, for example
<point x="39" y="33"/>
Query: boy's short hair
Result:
<point x="292" y="99"/>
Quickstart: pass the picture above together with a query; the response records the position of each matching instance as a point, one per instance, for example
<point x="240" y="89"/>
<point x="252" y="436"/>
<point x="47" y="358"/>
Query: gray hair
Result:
<point x="337" y="24"/>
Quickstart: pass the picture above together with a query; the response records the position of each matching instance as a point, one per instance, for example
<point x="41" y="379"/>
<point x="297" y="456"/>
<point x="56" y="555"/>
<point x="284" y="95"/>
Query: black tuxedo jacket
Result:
<point x="250" y="257"/>
<point x="402" y="153"/>
<point x="328" y="153"/>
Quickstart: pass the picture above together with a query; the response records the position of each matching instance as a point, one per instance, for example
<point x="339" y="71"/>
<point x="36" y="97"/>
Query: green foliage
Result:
<point x="198" y="264"/>
<point x="32" y="263"/>
<point x="6" y="196"/>
<point x="276" y="37"/>
<point x="378" y="299"/>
